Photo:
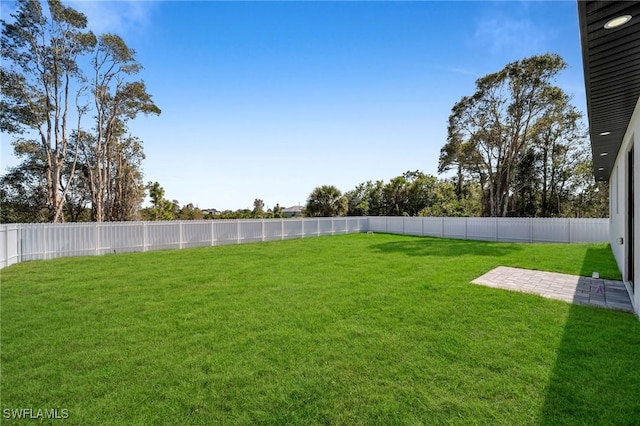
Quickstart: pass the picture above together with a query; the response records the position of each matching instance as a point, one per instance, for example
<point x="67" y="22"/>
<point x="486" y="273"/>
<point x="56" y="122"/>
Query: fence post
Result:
<point x="262" y="237"/>
<point x="497" y="237"/>
<point x="531" y="230"/>
<point x="442" y="227"/>
<point x="45" y="241"/>
<point x="237" y="231"/>
<point x="180" y="234"/>
<point x="144" y="236"/>
<point x="96" y="239"/>
<point x="4" y="229"/>
<point x="212" y="233"/>
<point x="302" y="224"/>
<point x="281" y="229"/>
<point x="19" y="243"/>
<point x="569" y="224"/>
<point x="466" y="219"/>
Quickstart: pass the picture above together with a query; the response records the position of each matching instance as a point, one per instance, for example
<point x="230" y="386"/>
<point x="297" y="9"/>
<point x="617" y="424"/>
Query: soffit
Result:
<point x="611" y="59"/>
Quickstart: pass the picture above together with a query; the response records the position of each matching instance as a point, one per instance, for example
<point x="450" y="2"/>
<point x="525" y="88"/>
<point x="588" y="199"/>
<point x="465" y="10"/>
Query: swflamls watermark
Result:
<point x="35" y="413"/>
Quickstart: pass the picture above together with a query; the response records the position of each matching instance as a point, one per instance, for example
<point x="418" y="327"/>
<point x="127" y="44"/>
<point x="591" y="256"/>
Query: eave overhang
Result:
<point x="611" y="59"/>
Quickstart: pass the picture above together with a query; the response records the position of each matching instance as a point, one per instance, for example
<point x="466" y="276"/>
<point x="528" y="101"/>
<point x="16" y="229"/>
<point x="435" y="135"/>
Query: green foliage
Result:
<point x="353" y="329"/>
<point x="44" y="82"/>
<point x="326" y="201"/>
<point x="40" y="65"/>
<point x="412" y="194"/>
<point x="277" y="211"/>
<point x="592" y="198"/>
<point x="258" y="208"/>
<point x="189" y="212"/>
<point x="519" y="138"/>
<point x="23" y="188"/>
<point x="162" y="209"/>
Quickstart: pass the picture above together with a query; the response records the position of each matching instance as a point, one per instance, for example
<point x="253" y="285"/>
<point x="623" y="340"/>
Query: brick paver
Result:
<point x="570" y="288"/>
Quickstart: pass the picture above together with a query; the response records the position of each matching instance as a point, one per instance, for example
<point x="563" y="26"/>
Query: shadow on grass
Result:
<point x="600" y="259"/>
<point x="596" y="374"/>
<point x="429" y="246"/>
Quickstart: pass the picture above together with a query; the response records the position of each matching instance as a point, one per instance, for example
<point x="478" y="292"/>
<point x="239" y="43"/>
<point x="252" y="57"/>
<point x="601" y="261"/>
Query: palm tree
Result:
<point x="326" y="201"/>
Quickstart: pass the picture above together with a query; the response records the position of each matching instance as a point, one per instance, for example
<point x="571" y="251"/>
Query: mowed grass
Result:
<point x="353" y="329"/>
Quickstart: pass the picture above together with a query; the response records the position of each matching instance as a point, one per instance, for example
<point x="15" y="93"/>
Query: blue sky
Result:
<point x="271" y="99"/>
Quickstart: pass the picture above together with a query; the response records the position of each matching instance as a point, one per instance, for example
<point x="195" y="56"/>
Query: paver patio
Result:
<point x="570" y="288"/>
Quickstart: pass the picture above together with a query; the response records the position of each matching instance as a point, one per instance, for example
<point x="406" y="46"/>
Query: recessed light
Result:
<point x="616" y="22"/>
<point x="603" y="154"/>
<point x="600" y="168"/>
<point x="605" y="133"/>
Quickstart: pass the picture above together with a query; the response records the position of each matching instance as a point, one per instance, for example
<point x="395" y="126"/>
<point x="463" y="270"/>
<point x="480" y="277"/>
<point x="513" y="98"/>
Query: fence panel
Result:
<point x="292" y="228"/>
<point x="515" y="230"/>
<point x="433" y="226"/>
<point x="121" y="237"/>
<point x="377" y="224"/>
<point x="225" y="232"/>
<point x="325" y="226"/>
<point x="249" y="231"/>
<point x="9" y="245"/>
<point x="356" y="224"/>
<point x="31" y="242"/>
<point x="163" y="235"/>
<point x="589" y="230"/>
<point x="311" y="228"/>
<point x="551" y="230"/>
<point x="339" y="225"/>
<point x="22" y="242"/>
<point x="81" y="240"/>
<point x="412" y="225"/>
<point x="395" y="225"/>
<point x="454" y="227"/>
<point x="196" y="234"/>
<point x="481" y="229"/>
<point x="272" y="229"/>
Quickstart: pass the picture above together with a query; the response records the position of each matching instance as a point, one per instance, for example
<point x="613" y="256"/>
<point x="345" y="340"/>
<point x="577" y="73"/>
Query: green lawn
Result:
<point x="353" y="329"/>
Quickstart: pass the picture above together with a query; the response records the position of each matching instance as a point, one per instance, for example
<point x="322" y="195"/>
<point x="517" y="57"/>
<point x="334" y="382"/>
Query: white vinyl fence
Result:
<point x="525" y="229"/>
<point x="22" y="242"/>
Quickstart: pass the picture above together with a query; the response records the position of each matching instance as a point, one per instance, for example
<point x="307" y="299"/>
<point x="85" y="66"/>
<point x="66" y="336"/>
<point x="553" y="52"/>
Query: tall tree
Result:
<point x="278" y="211"/>
<point x="490" y="131"/>
<point x="358" y="199"/>
<point x="40" y="84"/>
<point x="46" y="93"/>
<point x="162" y="208"/>
<point x="412" y="194"/>
<point x="125" y="188"/>
<point x="23" y="188"/>
<point x="588" y="198"/>
<point x="326" y="201"/>
<point x="116" y="101"/>
<point x="560" y="143"/>
<point x="258" y="208"/>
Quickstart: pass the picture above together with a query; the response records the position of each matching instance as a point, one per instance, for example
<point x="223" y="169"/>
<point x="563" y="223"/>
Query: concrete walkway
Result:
<point x="570" y="288"/>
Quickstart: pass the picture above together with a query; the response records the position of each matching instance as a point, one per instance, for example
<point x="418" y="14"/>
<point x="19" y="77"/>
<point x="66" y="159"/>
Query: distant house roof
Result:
<point x="611" y="58"/>
<point x="293" y="209"/>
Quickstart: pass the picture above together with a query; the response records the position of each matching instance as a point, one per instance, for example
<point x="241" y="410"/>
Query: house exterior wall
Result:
<point x="619" y="206"/>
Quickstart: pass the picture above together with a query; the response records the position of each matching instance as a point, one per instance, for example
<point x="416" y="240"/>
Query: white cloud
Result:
<point x="462" y="71"/>
<point x="502" y="33"/>
<point x="121" y="17"/>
